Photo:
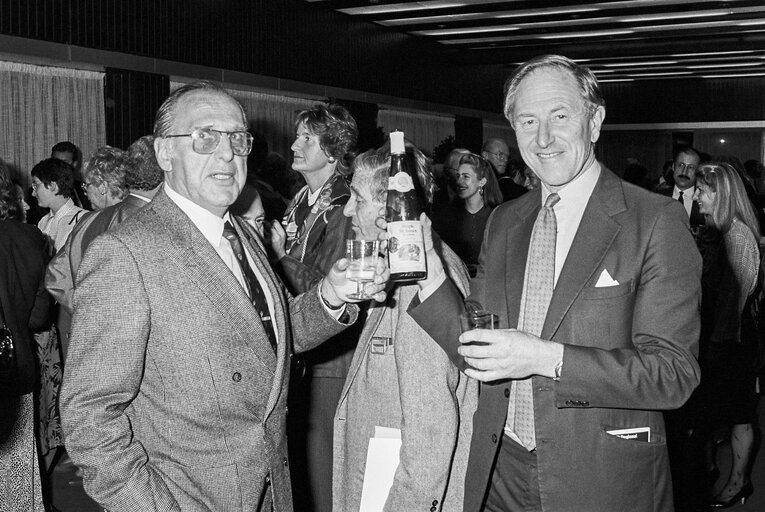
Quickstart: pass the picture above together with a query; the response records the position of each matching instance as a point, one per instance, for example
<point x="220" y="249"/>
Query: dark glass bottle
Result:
<point x="406" y="248"/>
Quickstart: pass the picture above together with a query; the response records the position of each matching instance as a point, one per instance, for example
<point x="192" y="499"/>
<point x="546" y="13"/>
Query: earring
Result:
<point x="480" y="190"/>
<point x="331" y="160"/>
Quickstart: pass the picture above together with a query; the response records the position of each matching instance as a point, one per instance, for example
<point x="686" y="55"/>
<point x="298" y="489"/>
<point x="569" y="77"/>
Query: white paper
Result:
<point x="382" y="461"/>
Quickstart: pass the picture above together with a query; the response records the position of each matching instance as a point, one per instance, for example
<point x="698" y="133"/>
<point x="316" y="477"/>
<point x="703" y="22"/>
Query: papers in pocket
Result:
<point x="633" y="434"/>
<point x="382" y="462"/>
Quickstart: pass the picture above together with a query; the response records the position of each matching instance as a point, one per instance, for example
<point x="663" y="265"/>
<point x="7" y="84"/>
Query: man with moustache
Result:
<point x="175" y="389"/>
<point x="684" y="167"/>
<point x="596" y="284"/>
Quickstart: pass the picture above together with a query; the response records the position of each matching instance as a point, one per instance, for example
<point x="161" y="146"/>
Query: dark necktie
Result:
<point x="535" y="299"/>
<point x="680" y="198"/>
<point x="254" y="290"/>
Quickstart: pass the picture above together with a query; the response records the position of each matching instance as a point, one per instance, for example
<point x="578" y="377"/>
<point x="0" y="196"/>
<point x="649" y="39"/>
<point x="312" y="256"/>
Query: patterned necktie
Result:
<point x="680" y="198"/>
<point x="254" y="290"/>
<point x="535" y="299"/>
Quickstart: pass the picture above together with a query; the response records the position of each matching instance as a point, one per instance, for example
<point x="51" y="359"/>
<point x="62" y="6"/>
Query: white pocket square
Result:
<point x="605" y="280"/>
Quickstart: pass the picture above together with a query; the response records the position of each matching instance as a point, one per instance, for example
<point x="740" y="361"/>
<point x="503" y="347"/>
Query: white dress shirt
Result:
<point x="211" y="227"/>
<point x="58" y="226"/>
<point x="574" y="197"/>
<point x="687" y="197"/>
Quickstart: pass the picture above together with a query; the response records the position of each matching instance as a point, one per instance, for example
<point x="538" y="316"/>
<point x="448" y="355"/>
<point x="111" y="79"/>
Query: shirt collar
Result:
<point x="67" y="208"/>
<point x="688" y="191"/>
<point x="208" y="223"/>
<point x="578" y="191"/>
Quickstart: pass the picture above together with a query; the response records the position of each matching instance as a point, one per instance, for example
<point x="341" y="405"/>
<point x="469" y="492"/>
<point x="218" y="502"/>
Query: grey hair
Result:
<point x="588" y="83"/>
<point x="163" y="123"/>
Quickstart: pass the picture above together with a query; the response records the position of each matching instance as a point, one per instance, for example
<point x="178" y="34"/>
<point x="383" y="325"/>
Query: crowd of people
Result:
<point x="183" y="330"/>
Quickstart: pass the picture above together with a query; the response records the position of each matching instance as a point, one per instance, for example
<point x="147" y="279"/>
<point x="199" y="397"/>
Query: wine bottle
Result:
<point x="406" y="247"/>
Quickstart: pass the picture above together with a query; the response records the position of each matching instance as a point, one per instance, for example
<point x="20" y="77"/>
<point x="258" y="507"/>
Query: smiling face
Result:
<point x="308" y="156"/>
<point x="554" y="131"/>
<point x="363" y="207"/>
<point x="212" y="181"/>
<point x="468" y="183"/>
<point x="706" y="197"/>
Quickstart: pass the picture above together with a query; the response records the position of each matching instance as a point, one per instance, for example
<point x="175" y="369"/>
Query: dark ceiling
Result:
<point x="629" y="40"/>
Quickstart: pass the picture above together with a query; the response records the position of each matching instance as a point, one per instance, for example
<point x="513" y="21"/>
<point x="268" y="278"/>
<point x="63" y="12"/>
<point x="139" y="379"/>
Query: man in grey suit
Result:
<point x="175" y="388"/>
<point x="597" y="285"/>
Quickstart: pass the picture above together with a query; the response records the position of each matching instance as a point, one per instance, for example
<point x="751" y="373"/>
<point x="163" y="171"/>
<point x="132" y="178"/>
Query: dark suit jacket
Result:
<point x="696" y="218"/>
<point x="173" y="398"/>
<point x="629" y="349"/>
<point x="23" y="299"/>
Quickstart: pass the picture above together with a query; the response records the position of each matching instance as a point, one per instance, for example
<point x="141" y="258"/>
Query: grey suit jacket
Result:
<point x="172" y="397"/>
<point x="410" y="385"/>
<point x="630" y="349"/>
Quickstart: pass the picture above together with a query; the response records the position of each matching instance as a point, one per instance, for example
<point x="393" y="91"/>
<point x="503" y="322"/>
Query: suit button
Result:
<point x="435" y="502"/>
<point x="236" y="377"/>
<point x="507" y="392"/>
<point x="433" y="509"/>
<point x="285" y="461"/>
<point x="268" y="479"/>
<point x="494" y="438"/>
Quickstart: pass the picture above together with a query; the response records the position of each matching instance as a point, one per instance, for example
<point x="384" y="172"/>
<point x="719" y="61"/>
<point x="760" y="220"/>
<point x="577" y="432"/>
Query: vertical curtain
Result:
<point x="426" y="131"/>
<point x="42" y="105"/>
<point x="500" y="131"/>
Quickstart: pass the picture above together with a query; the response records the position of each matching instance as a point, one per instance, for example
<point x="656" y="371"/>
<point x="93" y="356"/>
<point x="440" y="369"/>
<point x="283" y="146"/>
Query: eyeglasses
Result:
<point x="500" y="155"/>
<point x="205" y="141"/>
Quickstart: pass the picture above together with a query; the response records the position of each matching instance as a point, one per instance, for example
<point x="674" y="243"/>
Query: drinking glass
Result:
<point x="481" y="319"/>
<point x="362" y="255"/>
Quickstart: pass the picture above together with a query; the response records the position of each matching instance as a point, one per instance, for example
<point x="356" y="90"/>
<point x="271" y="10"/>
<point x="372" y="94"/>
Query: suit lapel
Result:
<point x="257" y="250"/>
<point x="595" y="235"/>
<point x="517" y="249"/>
<point x="201" y="263"/>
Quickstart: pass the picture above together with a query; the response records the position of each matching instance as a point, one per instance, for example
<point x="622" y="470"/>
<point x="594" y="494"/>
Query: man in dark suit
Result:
<point x="596" y="285"/>
<point x="174" y="393"/>
<point x="684" y="166"/>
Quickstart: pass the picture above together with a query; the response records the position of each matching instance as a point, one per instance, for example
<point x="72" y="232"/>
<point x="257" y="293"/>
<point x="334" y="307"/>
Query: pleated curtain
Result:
<point x="426" y="131"/>
<point x="43" y="105"/>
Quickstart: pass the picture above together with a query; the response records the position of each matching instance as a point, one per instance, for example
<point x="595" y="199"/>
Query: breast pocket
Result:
<point x="602" y="316"/>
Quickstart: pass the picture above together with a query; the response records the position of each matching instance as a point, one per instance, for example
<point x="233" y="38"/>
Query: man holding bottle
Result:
<point x="401" y="380"/>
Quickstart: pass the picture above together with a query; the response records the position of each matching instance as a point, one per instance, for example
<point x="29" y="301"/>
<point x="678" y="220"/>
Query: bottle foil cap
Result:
<point x="397" y="143"/>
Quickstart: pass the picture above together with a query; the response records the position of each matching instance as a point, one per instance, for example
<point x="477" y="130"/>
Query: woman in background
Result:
<point x="23" y="306"/>
<point x="462" y="225"/>
<point x="729" y="277"/>
<point x="309" y="241"/>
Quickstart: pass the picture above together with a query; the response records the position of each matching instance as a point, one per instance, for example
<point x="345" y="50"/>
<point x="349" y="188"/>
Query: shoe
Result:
<point x="741" y="496"/>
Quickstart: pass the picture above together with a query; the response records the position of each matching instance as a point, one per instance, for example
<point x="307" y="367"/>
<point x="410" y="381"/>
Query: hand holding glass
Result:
<point x="470" y="320"/>
<point x="362" y="255"/>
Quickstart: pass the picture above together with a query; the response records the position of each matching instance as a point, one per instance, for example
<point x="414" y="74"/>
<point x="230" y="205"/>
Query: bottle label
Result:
<point x="401" y="182"/>
<point x="406" y="249"/>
